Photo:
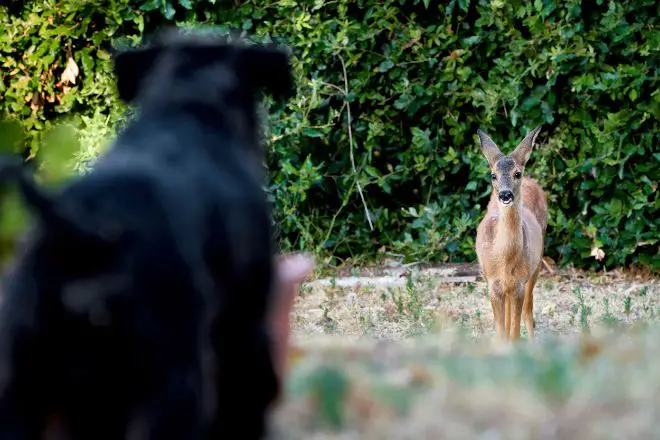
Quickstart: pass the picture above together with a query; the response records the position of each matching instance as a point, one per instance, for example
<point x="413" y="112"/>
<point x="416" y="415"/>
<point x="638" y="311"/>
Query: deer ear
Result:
<point x="523" y="151"/>
<point x="131" y="67"/>
<point x="489" y="148"/>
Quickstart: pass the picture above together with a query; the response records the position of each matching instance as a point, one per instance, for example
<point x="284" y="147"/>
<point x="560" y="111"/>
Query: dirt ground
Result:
<point x="412" y="354"/>
<point x="402" y="303"/>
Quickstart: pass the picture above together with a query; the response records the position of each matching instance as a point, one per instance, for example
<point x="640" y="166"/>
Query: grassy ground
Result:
<point x="415" y="357"/>
<point x="419" y="303"/>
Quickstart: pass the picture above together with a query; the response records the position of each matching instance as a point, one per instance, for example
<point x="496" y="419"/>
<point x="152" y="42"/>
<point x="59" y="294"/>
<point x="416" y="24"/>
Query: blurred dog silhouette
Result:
<point x="137" y="309"/>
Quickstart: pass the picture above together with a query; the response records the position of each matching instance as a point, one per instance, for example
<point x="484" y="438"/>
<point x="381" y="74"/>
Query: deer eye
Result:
<point x="517" y="175"/>
<point x="493" y="176"/>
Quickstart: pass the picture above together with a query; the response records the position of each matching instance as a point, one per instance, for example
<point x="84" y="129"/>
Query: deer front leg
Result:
<point x="516" y="297"/>
<point x="497" y="301"/>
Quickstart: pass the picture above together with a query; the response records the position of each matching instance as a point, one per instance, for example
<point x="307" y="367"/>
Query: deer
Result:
<point x="510" y="237"/>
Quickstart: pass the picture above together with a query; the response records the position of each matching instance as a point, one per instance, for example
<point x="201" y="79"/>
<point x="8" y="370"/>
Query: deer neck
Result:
<point x="509" y="233"/>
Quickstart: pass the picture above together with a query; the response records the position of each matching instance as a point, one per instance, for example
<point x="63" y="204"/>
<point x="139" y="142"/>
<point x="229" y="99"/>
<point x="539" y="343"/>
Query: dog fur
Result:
<point x="158" y="258"/>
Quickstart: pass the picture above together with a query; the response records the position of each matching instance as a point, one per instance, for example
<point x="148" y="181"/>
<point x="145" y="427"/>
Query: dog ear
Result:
<point x="47" y="208"/>
<point x="267" y="68"/>
<point x="55" y="218"/>
<point x="131" y="67"/>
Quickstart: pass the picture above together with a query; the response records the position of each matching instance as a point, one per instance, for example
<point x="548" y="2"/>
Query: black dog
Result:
<point x="14" y="7"/>
<point x="160" y="254"/>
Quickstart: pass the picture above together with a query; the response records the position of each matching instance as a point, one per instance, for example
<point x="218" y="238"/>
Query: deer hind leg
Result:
<point x="528" y="305"/>
<point x="507" y="315"/>
<point x="497" y="301"/>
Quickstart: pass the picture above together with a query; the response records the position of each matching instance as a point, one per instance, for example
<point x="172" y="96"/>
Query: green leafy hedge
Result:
<point x="390" y="94"/>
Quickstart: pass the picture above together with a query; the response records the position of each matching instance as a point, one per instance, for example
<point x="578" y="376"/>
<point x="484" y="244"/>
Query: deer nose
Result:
<point x="506" y="196"/>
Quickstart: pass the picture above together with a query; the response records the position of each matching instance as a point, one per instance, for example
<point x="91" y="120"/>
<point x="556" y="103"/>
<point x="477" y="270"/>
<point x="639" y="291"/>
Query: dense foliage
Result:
<point x="378" y="154"/>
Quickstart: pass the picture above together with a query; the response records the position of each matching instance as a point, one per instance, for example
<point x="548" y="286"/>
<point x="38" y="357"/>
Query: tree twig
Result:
<point x="547" y="266"/>
<point x="350" y="143"/>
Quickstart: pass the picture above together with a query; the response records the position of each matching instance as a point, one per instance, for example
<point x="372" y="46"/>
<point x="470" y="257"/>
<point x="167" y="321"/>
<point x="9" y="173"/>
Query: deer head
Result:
<point x="507" y="171"/>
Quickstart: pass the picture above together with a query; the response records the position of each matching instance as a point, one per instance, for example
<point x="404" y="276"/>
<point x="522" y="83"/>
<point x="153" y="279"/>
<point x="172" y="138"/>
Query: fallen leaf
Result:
<point x="362" y="403"/>
<point x="597" y="253"/>
<point x="37" y="101"/>
<point x="549" y="264"/>
<point x="550" y="309"/>
<point x="71" y="72"/>
<point x="294" y="355"/>
<point x="390" y="309"/>
<point x="419" y="375"/>
<point x="590" y="348"/>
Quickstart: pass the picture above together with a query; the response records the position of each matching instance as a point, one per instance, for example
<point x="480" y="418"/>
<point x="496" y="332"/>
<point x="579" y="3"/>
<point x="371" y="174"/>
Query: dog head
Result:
<point x="199" y="67"/>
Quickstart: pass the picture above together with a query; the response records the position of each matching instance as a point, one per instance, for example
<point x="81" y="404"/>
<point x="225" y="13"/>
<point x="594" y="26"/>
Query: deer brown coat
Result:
<point x="510" y="237"/>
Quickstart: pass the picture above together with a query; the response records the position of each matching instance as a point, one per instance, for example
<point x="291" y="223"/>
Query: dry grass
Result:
<point x="419" y="360"/>
<point x="398" y="307"/>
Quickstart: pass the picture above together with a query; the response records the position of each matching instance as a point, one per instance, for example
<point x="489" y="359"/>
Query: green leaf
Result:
<point x="312" y="132"/>
<point x="150" y="5"/>
<point x="87" y="62"/>
<point x="615" y="207"/>
<point x="11" y="137"/>
<point x="529" y="103"/>
<point x="471" y="41"/>
<point x="57" y="149"/>
<point x="633" y="95"/>
<point x="373" y="172"/>
<point x="329" y="385"/>
<point x="385" y="65"/>
<point x="14" y="218"/>
<point x="402" y="102"/>
<point x="168" y="10"/>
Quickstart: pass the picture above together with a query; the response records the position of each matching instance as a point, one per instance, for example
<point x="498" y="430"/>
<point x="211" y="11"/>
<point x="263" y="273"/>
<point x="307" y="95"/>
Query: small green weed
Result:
<point x="581" y="308"/>
<point x="627" y="305"/>
<point x="608" y="318"/>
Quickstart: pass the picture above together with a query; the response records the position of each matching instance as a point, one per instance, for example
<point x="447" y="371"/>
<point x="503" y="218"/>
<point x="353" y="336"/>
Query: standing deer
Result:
<point x="510" y="236"/>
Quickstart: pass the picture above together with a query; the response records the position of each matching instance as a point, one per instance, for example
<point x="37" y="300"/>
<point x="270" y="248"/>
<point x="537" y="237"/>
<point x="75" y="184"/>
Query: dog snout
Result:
<point x="506" y="196"/>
